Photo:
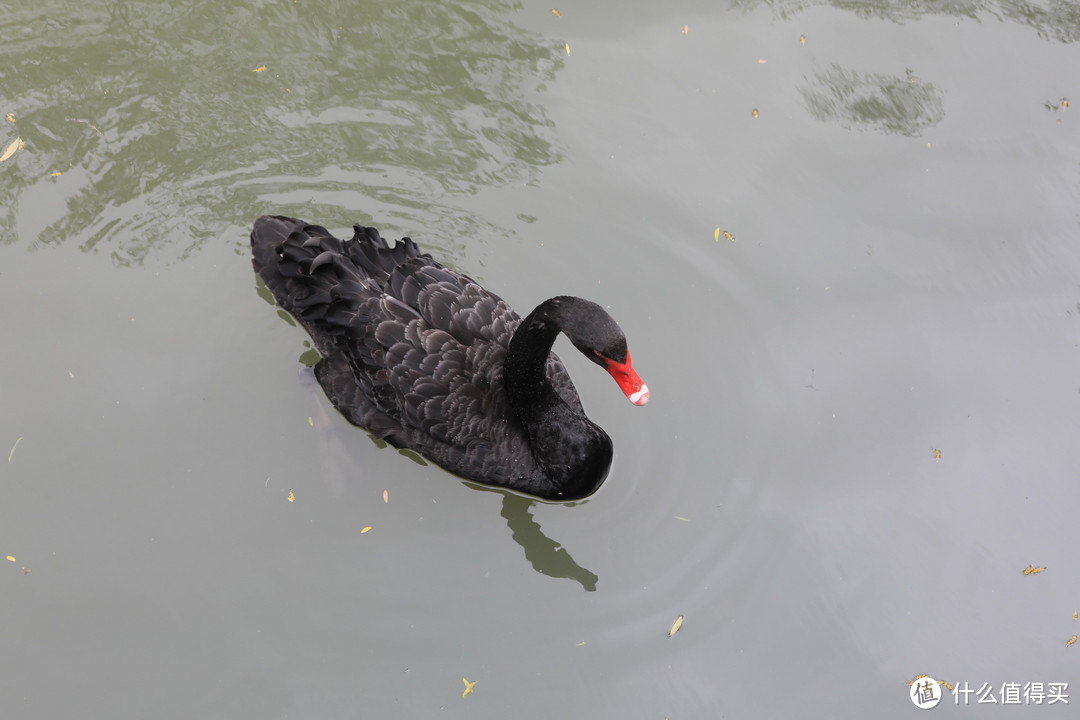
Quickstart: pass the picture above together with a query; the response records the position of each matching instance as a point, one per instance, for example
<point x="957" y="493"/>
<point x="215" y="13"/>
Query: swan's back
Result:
<point x="411" y="351"/>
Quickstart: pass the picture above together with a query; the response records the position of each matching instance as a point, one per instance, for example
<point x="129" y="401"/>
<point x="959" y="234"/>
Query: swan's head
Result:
<point x="599" y="337"/>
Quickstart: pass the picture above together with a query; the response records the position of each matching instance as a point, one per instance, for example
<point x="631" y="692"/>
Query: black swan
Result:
<point x="425" y="358"/>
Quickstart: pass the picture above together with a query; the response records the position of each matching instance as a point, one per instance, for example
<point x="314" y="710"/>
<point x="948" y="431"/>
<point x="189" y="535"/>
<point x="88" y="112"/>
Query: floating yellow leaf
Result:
<point x="468" y="686"/>
<point x="261" y="68"/>
<point x="685" y="29"/>
<point x="1032" y="570"/>
<point x="56" y="174"/>
<point x="15" y="145"/>
<point x="365" y="530"/>
<point x="11" y="558"/>
<point x="802" y="39"/>
<point x="579" y="644"/>
<point x="1076" y="615"/>
<point x="568" y="49"/>
<point x="716" y="234"/>
<point x="386" y="496"/>
<point x="10" y="454"/>
<point x="292" y="497"/>
<point x="556" y="13"/>
<point x="1064" y="106"/>
<point x="762" y="61"/>
<point x="920" y="677"/>
<point x="11" y="117"/>
<point x="310" y="421"/>
<point x="1071" y="641"/>
<point x="729" y="236"/>
<point x="675" y="626"/>
<point x="755" y="112"/>
<point x="937" y="454"/>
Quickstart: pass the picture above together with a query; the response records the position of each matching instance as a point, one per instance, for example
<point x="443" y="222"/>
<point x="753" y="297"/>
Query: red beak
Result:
<point x="629" y="381"/>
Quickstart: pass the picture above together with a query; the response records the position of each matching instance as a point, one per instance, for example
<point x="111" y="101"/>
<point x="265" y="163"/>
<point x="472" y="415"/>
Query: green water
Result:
<point x="899" y="184"/>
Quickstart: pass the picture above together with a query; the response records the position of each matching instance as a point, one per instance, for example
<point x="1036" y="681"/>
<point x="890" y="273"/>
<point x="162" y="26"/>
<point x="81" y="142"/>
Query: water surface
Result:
<point x="840" y="237"/>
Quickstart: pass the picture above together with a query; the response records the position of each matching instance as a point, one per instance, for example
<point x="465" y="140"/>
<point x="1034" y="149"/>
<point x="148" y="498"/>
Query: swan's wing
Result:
<point x="411" y="348"/>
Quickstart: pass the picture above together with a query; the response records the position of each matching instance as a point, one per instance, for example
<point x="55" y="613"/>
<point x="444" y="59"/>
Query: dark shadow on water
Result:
<point x="547" y="556"/>
<point x="890" y="104"/>
<point x="1054" y="21"/>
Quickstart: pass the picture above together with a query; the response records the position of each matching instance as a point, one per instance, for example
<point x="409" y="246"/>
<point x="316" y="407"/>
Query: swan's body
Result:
<point x="425" y="358"/>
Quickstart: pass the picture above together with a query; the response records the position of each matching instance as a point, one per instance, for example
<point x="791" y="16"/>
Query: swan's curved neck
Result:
<point x="525" y="373"/>
<point x="573" y="453"/>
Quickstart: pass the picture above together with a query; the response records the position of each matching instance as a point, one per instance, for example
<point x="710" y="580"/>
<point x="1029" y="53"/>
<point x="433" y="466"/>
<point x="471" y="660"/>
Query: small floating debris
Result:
<point x="14" y="147"/>
<point x="675" y="626"/>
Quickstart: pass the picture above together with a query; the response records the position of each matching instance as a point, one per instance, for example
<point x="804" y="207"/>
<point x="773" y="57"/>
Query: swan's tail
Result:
<point x="267" y="238"/>
<point x="319" y="279"/>
<point x="284" y="247"/>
